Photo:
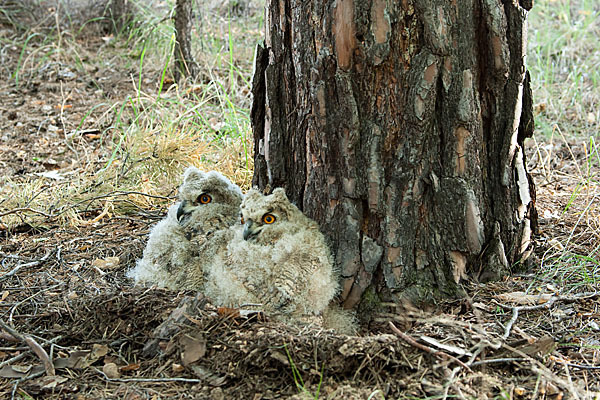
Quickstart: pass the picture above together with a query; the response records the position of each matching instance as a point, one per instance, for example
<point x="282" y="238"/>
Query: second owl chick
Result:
<point x="279" y="259"/>
<point x="209" y="202"/>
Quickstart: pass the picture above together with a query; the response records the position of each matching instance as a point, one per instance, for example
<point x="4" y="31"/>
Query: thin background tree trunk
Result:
<point x="184" y="61"/>
<point x="120" y="13"/>
<point x="399" y="127"/>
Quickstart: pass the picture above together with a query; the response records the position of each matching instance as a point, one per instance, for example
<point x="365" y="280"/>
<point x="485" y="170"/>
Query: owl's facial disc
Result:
<point x="187" y="207"/>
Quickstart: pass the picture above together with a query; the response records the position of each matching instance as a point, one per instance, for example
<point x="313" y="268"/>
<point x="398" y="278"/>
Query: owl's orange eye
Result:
<point x="204" y="199"/>
<point x="242" y="219"/>
<point x="268" y="218"/>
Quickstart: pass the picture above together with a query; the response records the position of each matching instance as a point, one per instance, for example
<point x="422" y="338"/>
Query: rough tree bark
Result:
<point x="184" y="61"/>
<point x="399" y="127"/>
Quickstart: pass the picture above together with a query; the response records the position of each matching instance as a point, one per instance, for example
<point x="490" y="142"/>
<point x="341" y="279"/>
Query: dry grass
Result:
<point x="564" y="61"/>
<point x="148" y="128"/>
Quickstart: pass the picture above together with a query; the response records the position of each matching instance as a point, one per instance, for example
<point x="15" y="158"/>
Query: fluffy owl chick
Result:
<point x="209" y="202"/>
<point x="278" y="258"/>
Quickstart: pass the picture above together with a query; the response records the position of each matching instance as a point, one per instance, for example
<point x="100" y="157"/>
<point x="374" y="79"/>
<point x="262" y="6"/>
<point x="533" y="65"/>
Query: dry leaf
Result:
<point x="284" y="360"/>
<point x="107" y="263"/>
<point x="207" y="375"/>
<point x="193" y="349"/>
<point x="10" y="372"/>
<point x="111" y="371"/>
<point x="75" y="360"/>
<point x="228" y="312"/>
<point x="445" y="347"/>
<point x="129" y="367"/>
<point x="177" y="368"/>
<point x="239" y="313"/>
<point x="50" y="175"/>
<point x="22" y="368"/>
<point x="50" y="382"/>
<point x="4" y="295"/>
<point x="98" y="351"/>
<point x="519" y="391"/>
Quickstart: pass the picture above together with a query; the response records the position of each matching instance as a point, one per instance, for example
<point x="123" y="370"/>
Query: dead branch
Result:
<point x="18" y="210"/>
<point x="511" y="322"/>
<point x="579" y="366"/>
<point x="13" y="359"/>
<point x="498" y="360"/>
<point x="414" y="343"/>
<point x="33" y="345"/>
<point x="547" y="305"/>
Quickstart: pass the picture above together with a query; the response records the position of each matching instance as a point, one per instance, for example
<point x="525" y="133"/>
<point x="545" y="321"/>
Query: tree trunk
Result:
<point x="184" y="61"/>
<point x="399" y="127"/>
<point x="120" y="14"/>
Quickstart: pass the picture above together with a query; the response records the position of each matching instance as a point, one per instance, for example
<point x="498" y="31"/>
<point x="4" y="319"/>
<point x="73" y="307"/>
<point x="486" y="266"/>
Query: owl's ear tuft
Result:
<point x="252" y="193"/>
<point x="192" y="174"/>
<point x="279" y="194"/>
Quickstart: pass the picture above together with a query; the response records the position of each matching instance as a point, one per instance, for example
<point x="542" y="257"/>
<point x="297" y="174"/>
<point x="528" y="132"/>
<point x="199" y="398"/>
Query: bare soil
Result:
<point x="65" y="287"/>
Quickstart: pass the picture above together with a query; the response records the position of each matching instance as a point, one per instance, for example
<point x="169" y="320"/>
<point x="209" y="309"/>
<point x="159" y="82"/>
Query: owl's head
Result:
<point x="207" y="194"/>
<point x="267" y="218"/>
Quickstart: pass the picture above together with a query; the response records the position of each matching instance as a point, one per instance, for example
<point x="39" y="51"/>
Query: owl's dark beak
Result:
<point x="249" y="230"/>
<point x="182" y="211"/>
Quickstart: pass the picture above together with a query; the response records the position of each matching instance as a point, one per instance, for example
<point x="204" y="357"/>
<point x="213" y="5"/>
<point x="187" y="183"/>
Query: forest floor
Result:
<point x="93" y="137"/>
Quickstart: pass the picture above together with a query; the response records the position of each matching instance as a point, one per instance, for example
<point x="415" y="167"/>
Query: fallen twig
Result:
<point x="551" y="301"/>
<point x="498" y="360"/>
<point x="33" y="345"/>
<point x="13" y="359"/>
<point x="413" y="342"/>
<point x="589" y="367"/>
<point x="189" y="380"/>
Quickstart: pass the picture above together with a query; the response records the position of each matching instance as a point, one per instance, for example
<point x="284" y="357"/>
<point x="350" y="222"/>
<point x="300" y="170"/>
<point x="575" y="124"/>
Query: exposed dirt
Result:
<point x="66" y="287"/>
